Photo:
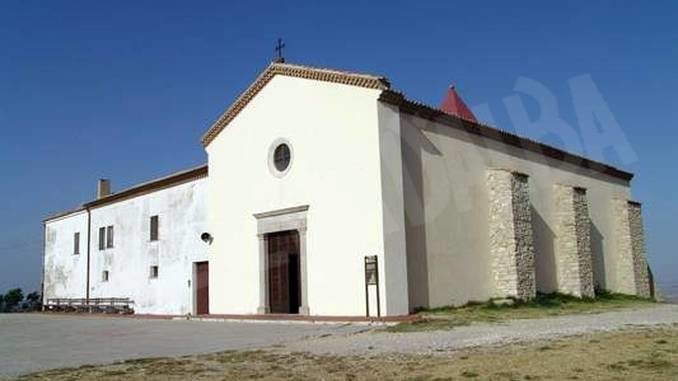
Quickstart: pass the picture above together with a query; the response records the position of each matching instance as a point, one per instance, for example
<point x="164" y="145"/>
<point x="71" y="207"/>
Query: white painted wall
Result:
<point x="376" y="181"/>
<point x="336" y="170"/>
<point x="446" y="207"/>
<point x="65" y="273"/>
<point x="181" y="210"/>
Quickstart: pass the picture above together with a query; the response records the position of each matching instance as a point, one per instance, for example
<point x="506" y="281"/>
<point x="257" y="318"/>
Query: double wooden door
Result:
<point x="284" y="279"/>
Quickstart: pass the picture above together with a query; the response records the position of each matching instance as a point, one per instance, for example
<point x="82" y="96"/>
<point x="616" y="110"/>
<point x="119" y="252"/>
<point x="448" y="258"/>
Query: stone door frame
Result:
<point x="276" y="221"/>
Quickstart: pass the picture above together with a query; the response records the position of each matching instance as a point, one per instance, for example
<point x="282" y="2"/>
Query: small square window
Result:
<point x="104" y="276"/>
<point x="154" y="272"/>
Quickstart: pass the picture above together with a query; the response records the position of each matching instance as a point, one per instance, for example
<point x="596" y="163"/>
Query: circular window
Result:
<point x="281" y="157"/>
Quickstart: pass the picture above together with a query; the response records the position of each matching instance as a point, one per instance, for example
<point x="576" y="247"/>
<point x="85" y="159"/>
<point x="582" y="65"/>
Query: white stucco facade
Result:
<point x="64" y="272"/>
<point x="336" y="170"/>
<point x="181" y="214"/>
<point x="369" y="174"/>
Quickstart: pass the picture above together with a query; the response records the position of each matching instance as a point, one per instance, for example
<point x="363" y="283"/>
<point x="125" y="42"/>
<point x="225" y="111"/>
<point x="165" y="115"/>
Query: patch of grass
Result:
<point x="618" y="366"/>
<point x="114" y="372"/>
<point x="138" y="361"/>
<point x="469" y="374"/>
<point x="651" y="363"/>
<point x="544" y="305"/>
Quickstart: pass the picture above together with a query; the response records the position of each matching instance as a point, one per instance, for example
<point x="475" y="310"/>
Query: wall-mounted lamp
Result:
<point x="207" y="238"/>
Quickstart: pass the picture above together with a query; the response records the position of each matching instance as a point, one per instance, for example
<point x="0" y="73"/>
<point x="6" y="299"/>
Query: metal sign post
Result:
<point x="371" y="279"/>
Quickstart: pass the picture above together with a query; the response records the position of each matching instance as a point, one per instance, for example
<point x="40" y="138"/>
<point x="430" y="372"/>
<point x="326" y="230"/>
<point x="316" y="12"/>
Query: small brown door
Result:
<point x="284" y="291"/>
<point x="202" y="293"/>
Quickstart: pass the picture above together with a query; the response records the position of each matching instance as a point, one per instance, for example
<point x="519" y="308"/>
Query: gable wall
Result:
<point x="65" y="273"/>
<point x="333" y="131"/>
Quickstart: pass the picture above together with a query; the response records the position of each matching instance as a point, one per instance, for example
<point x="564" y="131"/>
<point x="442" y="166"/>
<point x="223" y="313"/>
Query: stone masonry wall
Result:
<point x="625" y="275"/>
<point x="574" y="263"/>
<point x="638" y="249"/>
<point x="632" y="275"/>
<point x="583" y="229"/>
<point x="511" y="241"/>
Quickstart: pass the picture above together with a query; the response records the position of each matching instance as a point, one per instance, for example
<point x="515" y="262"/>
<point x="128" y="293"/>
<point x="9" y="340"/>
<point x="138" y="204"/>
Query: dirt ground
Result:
<point x="638" y="354"/>
<point x="35" y="342"/>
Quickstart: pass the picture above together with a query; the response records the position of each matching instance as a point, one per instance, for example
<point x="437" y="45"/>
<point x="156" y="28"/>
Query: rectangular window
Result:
<point x="109" y="237"/>
<point x="102" y="238"/>
<point x="104" y="276"/>
<point x="154" y="272"/>
<point x="76" y="243"/>
<point x="154" y="228"/>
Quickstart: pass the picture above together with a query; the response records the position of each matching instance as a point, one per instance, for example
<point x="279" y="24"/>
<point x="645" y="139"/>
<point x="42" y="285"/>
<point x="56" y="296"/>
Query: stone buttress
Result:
<point x="510" y="228"/>
<point x="632" y="271"/>
<point x="574" y="262"/>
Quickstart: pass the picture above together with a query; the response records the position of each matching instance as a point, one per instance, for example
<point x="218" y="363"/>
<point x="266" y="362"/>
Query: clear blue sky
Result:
<point x="125" y="89"/>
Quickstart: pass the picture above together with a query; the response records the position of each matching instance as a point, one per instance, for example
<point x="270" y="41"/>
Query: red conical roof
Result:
<point x="454" y="105"/>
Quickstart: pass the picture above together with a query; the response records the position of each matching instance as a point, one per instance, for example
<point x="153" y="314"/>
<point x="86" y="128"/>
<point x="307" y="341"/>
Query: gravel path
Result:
<point x="380" y="342"/>
<point x="29" y="343"/>
<point x="34" y="342"/>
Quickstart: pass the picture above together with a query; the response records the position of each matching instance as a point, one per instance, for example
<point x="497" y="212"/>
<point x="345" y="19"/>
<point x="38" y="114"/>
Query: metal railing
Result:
<point x="91" y="305"/>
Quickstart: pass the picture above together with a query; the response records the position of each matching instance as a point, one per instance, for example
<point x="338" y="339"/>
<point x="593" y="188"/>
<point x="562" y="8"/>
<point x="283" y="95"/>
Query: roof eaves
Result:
<point x="55" y="216"/>
<point x="431" y="113"/>
<point x="173" y="179"/>
<point x="153" y="185"/>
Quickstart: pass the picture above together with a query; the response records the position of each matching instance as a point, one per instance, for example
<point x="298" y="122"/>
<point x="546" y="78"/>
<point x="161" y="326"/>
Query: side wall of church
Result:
<point x="446" y="207"/>
<point x="181" y="214"/>
<point x="334" y="135"/>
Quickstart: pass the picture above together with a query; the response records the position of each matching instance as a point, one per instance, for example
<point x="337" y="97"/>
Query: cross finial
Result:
<point x="279" y="49"/>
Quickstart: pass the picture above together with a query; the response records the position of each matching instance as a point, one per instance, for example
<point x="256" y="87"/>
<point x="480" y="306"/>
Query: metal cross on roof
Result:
<point x="279" y="49"/>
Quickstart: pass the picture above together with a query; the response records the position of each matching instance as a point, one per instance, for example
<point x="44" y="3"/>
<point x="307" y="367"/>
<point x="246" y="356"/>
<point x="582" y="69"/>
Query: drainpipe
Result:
<point x="89" y="234"/>
<point x="42" y="276"/>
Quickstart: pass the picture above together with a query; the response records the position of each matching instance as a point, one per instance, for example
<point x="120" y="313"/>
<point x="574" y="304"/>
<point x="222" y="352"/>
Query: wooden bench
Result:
<point x="91" y="305"/>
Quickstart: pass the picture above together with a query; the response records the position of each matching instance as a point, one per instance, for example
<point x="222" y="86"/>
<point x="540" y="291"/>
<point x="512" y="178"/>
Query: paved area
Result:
<point x="33" y="342"/>
<point x="376" y="342"/>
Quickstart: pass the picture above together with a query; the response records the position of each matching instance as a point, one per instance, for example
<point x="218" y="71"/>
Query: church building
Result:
<point x="328" y="193"/>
